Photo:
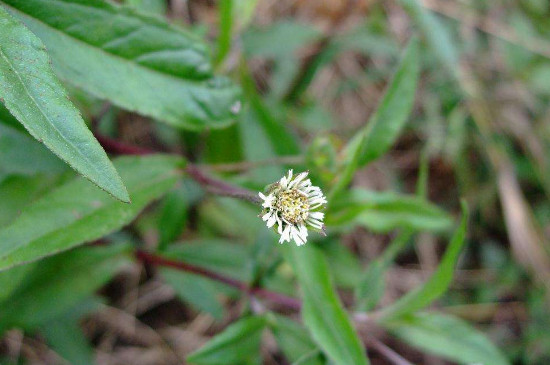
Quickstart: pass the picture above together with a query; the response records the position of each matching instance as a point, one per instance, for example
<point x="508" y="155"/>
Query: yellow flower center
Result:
<point x="293" y="206"/>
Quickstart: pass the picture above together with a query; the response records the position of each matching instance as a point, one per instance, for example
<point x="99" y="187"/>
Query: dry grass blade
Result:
<point x="526" y="241"/>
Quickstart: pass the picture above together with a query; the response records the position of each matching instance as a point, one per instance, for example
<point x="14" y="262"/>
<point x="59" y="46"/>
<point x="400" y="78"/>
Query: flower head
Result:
<point x="293" y="205"/>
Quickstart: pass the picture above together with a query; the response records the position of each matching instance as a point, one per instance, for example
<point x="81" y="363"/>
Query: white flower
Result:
<point x="292" y="205"/>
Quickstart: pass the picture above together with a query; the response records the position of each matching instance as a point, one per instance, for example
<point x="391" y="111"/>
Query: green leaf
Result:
<point x="222" y="256"/>
<point x="385" y="126"/>
<point x="67" y="339"/>
<point x="197" y="290"/>
<point x="447" y="336"/>
<point x="10" y="280"/>
<point x="173" y="216"/>
<point x="294" y="340"/>
<point x="64" y="335"/>
<point x="225" y="11"/>
<point x="68" y="277"/>
<point x="322" y="311"/>
<point x="32" y="93"/>
<point x="141" y="64"/>
<point x="149" y="6"/>
<point x="20" y="155"/>
<point x="237" y="344"/>
<point x="18" y="191"/>
<point x="387" y="122"/>
<point x="438" y="282"/>
<point x="344" y="264"/>
<point x="284" y="142"/>
<point x="385" y="211"/>
<point x="280" y="40"/>
<point x="437" y="36"/>
<point x="78" y="212"/>
<point x="371" y="288"/>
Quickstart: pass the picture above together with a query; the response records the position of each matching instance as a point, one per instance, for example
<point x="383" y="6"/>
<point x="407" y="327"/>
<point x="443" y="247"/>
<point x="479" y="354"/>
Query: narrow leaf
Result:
<point x="78" y="212"/>
<point x="69" y="278"/>
<point x="141" y="64"/>
<point x="438" y="282"/>
<point x="371" y="288"/>
<point x="387" y="122"/>
<point x="237" y="344"/>
<point x="196" y="290"/>
<point x="447" y="336"/>
<point x="294" y="341"/>
<point x="221" y="256"/>
<point x="385" y="211"/>
<point x="323" y="313"/>
<point x="67" y="339"/>
<point x="437" y="36"/>
<point x="21" y="155"/>
<point x="32" y="93"/>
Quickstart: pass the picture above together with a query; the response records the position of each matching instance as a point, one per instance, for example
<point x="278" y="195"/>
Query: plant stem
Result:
<point x="115" y="146"/>
<point x="279" y="298"/>
<point x="211" y="184"/>
<point x="220" y="187"/>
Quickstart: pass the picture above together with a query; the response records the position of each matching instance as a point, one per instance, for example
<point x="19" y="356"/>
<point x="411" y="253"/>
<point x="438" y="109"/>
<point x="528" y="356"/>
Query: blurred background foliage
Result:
<point x="399" y="109"/>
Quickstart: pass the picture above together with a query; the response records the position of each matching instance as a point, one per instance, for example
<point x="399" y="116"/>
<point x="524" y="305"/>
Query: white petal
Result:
<point x="289" y="178"/>
<point x="266" y="216"/>
<point x="306" y="184"/>
<point x="262" y="196"/>
<point x="286" y="235"/>
<point x="303" y="231"/>
<point x="298" y="179"/>
<point x="296" y="236"/>
<point x="268" y="202"/>
<point x="271" y="221"/>
<point x="315" y="223"/>
<point x="317" y="215"/>
<point x="280" y="223"/>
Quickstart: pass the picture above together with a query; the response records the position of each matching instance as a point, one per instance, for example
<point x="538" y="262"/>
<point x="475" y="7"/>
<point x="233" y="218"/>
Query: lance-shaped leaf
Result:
<point x="32" y="93"/>
<point x="387" y="123"/>
<point x="385" y="211"/>
<point x="447" y="336"/>
<point x="21" y="155"/>
<point x="438" y="282"/>
<point x="237" y="344"/>
<point x="58" y="283"/>
<point x="78" y="212"/>
<point x="322" y="311"/>
<point x="137" y="62"/>
<point x="294" y="341"/>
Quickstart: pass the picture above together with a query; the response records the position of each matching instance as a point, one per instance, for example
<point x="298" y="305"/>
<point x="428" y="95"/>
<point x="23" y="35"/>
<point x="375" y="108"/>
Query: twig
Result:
<point x="387" y="352"/>
<point x="279" y="298"/>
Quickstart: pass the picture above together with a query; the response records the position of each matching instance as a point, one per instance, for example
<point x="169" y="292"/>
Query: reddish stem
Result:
<point x="220" y="187"/>
<point x="117" y="147"/>
<point x="282" y="299"/>
<point x="213" y="185"/>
